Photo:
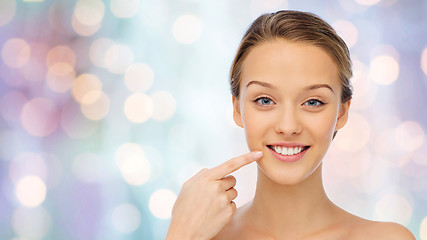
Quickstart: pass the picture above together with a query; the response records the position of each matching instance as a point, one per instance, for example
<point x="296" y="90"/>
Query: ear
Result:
<point x="343" y="115"/>
<point x="237" y="116"/>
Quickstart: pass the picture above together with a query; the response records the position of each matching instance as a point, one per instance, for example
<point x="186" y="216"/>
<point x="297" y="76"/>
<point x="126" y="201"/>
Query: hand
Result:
<point x="205" y="204"/>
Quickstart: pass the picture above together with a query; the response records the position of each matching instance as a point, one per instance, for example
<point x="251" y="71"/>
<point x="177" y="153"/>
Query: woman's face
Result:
<point x="289" y="106"/>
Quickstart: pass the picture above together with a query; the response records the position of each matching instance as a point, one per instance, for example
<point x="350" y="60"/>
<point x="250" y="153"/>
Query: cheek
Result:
<point x="255" y="126"/>
<point x="322" y="125"/>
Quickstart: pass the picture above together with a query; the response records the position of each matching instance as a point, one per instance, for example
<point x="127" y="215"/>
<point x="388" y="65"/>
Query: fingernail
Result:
<point x="257" y="154"/>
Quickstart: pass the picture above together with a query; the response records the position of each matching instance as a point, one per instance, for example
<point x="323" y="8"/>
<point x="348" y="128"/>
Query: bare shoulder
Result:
<point x="382" y="230"/>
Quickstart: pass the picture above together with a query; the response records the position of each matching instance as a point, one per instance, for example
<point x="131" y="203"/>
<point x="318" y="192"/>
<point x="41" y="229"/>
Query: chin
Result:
<point x="285" y="173"/>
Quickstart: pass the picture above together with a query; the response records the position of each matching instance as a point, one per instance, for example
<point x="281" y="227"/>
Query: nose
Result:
<point x="288" y="122"/>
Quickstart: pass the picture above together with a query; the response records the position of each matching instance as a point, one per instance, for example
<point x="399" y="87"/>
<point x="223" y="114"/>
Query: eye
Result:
<point x="314" y="103"/>
<point x="264" y="101"/>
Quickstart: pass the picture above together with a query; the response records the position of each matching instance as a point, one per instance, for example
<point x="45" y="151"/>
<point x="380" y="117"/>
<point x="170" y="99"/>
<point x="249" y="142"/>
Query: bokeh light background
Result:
<point x="107" y="107"/>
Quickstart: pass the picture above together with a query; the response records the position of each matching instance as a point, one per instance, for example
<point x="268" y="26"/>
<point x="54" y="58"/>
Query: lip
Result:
<point x="291" y="158"/>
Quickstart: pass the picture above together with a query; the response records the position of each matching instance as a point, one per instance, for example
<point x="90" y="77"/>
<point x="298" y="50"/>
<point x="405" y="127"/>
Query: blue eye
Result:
<point x="313" y="103"/>
<point x="264" y="101"/>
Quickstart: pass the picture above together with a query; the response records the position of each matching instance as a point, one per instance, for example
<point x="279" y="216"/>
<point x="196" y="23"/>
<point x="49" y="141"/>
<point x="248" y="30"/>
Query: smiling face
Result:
<point x="289" y="106"/>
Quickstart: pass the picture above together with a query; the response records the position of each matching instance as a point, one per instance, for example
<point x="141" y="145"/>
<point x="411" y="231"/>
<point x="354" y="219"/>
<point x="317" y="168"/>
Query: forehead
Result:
<point x="290" y="62"/>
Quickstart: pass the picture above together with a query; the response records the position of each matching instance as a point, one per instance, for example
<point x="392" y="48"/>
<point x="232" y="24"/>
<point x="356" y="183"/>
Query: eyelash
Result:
<point x="320" y="103"/>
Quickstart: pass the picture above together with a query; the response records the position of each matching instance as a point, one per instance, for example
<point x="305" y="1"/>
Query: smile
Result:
<point x="290" y="153"/>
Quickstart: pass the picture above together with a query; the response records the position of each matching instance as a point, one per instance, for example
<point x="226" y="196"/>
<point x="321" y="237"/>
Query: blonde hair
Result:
<point x="298" y="27"/>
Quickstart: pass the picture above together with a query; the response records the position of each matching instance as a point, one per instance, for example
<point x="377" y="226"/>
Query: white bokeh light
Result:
<point x="355" y="134"/>
<point x="138" y="108"/>
<point x="164" y="105"/>
<point x="88" y="167"/>
<point x="424" y="61"/>
<point x="31" y="223"/>
<point x="16" y="52"/>
<point x="30" y="191"/>
<point x="423" y="229"/>
<point x="95" y="105"/>
<point x="7" y="11"/>
<point x="126" y="218"/>
<point x="139" y="77"/>
<point x="367" y="2"/>
<point x="384" y="69"/>
<point x="187" y="29"/>
<point x="347" y="31"/>
<point x="161" y="203"/>
<point x="60" y="77"/>
<point x="98" y="49"/>
<point x="409" y="135"/>
<point x="89" y="12"/>
<point x="61" y="53"/>
<point x="124" y="8"/>
<point x="393" y="207"/>
<point x="118" y="58"/>
<point x="39" y="117"/>
<point x="133" y="164"/>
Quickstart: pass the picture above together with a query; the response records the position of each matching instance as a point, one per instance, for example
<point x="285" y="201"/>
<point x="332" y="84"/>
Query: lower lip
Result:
<point x="286" y="158"/>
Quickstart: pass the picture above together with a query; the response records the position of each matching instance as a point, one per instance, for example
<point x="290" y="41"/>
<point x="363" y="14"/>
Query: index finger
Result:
<point x="234" y="164"/>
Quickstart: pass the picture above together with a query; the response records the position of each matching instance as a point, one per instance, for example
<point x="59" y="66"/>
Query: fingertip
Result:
<point x="257" y="154"/>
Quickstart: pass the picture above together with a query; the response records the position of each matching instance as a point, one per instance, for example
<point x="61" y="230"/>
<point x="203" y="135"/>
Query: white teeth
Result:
<point x="287" y="151"/>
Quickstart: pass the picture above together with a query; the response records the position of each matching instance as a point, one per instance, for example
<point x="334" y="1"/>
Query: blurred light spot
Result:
<point x="364" y="90"/>
<point x="386" y="147"/>
<point x="118" y="58"/>
<point x="187" y="29"/>
<point x="98" y="49"/>
<point x="347" y="31"/>
<point x="30" y="191"/>
<point x="11" y="105"/>
<point x="182" y="138"/>
<point x="420" y="154"/>
<point x="409" y="136"/>
<point x="63" y="54"/>
<point x="124" y="8"/>
<point x="87" y="167"/>
<point x="74" y="124"/>
<point x="16" y="52"/>
<point x="27" y="163"/>
<point x="35" y="69"/>
<point x="31" y="223"/>
<point x="156" y="160"/>
<point x="89" y="12"/>
<point x="60" y="77"/>
<point x="138" y="108"/>
<point x="423" y="229"/>
<point x="84" y="84"/>
<point x="394" y="208"/>
<point x="368" y="2"/>
<point x="135" y="168"/>
<point x="154" y="15"/>
<point x="95" y="105"/>
<point x="164" y="105"/>
<point x="7" y="11"/>
<point x="384" y="70"/>
<point x="354" y="164"/>
<point x="126" y="218"/>
<point x="258" y="7"/>
<point x="161" y="203"/>
<point x="424" y="61"/>
<point x="139" y="77"/>
<point x="357" y="125"/>
<point x="39" y="117"/>
<point x="82" y="29"/>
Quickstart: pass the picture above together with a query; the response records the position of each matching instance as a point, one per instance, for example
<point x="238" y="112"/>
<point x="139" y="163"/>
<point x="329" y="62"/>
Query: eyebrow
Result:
<point x="311" y="87"/>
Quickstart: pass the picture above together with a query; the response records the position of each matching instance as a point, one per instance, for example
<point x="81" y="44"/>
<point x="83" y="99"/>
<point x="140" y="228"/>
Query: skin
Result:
<point x="285" y="104"/>
<point x="281" y="106"/>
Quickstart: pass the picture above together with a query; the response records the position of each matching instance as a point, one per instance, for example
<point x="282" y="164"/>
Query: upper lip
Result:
<point x="288" y="145"/>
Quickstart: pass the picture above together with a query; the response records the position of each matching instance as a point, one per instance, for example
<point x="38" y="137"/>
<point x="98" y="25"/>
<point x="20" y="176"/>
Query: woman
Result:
<point x="291" y="94"/>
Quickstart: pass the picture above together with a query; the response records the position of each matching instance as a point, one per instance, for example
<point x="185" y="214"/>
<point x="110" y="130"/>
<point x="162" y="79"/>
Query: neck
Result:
<point x="285" y="209"/>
